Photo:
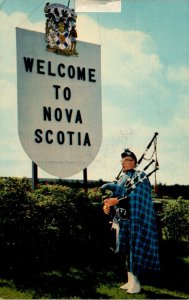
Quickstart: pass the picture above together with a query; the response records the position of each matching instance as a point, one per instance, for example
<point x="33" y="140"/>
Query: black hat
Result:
<point x="127" y="152"/>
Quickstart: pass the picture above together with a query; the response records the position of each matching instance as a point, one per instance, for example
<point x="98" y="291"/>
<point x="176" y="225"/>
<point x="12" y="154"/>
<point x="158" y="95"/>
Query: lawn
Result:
<point x="98" y="280"/>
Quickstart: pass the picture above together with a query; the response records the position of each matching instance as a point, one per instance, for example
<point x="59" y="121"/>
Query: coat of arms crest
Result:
<point x="60" y="29"/>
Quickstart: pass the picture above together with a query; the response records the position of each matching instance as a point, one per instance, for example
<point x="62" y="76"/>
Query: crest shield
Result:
<point x="60" y="29"/>
<point x="59" y="104"/>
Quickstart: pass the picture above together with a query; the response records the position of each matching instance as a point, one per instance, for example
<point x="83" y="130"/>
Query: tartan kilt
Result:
<point x="138" y="236"/>
<point x="122" y="228"/>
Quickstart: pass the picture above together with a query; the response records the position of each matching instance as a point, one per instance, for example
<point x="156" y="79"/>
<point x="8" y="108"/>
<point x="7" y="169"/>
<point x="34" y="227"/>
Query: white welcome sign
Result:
<point x="59" y="104"/>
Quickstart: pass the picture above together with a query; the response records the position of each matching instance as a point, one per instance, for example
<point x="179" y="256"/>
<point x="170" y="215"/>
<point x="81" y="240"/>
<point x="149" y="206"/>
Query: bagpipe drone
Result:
<point x="122" y="191"/>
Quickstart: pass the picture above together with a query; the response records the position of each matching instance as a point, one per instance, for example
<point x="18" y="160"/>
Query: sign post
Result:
<point x="34" y="175"/>
<point x="85" y="178"/>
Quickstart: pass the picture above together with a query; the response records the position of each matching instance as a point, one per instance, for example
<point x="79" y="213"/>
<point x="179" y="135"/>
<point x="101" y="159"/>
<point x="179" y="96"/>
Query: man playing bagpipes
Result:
<point x="134" y="221"/>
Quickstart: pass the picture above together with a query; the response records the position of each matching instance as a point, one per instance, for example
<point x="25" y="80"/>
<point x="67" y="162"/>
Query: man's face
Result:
<point x="128" y="163"/>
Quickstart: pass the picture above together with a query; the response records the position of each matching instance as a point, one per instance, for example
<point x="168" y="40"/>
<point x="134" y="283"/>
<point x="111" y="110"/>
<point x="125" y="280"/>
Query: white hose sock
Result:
<point x="134" y="286"/>
<point x="127" y="285"/>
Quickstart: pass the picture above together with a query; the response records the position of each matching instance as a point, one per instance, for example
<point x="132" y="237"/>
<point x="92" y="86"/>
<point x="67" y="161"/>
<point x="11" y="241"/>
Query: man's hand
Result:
<point x="108" y="203"/>
<point x="106" y="209"/>
<point x="111" y="201"/>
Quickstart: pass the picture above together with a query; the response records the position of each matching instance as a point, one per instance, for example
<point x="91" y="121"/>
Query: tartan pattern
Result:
<point x="143" y="234"/>
<point x="122" y="236"/>
<point x="116" y="189"/>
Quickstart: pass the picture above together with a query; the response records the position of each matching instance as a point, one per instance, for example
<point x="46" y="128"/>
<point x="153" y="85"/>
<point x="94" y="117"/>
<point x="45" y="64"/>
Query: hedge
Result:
<point x="175" y="220"/>
<point x="49" y="225"/>
<point x="55" y="224"/>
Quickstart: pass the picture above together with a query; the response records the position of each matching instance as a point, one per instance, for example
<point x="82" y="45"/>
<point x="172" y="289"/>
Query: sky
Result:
<point x="98" y="5"/>
<point x="144" y="82"/>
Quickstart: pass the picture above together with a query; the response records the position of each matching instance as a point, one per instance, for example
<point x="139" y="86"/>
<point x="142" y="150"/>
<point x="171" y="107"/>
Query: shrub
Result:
<point x="16" y="208"/>
<point x="175" y="220"/>
<point x="49" y="225"/>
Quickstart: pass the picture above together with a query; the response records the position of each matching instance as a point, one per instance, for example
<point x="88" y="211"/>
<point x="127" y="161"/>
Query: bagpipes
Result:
<point x="122" y="191"/>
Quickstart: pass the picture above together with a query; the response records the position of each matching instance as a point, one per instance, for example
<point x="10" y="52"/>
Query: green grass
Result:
<point x="147" y="292"/>
<point x="80" y="290"/>
<point x="88" y="278"/>
<point x="96" y="282"/>
<point x="8" y="290"/>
